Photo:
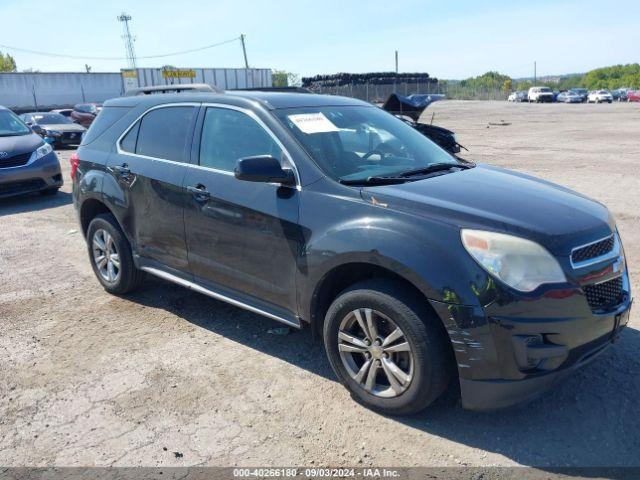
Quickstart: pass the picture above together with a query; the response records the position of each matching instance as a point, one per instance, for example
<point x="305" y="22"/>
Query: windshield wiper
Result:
<point x="406" y="176"/>
<point x="435" y="167"/>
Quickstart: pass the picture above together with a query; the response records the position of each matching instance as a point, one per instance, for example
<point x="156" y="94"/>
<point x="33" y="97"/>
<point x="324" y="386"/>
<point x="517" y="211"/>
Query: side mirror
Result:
<point x="263" y="168"/>
<point x="37" y="129"/>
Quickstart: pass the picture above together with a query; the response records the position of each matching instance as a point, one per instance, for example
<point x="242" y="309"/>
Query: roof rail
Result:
<point x="187" y="87"/>
<point x="276" y="89"/>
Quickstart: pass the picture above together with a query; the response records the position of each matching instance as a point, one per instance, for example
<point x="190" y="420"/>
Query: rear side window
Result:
<point x="229" y="135"/>
<point x="128" y="143"/>
<point x="163" y="133"/>
<point x="107" y="117"/>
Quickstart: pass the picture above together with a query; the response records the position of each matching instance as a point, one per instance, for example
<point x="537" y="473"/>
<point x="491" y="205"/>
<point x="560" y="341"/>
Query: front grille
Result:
<point x="11" y="188"/>
<point x="593" y="250"/>
<point x="16" y="160"/>
<point x="604" y="295"/>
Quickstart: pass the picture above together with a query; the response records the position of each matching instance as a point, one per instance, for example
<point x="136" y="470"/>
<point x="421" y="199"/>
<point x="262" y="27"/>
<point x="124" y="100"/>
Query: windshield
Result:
<point x="545" y="89"/>
<point x="50" y="119"/>
<point x="354" y="143"/>
<point x="11" y="125"/>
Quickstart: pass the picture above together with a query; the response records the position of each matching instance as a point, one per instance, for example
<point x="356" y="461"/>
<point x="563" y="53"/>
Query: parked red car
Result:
<point x="633" y="96"/>
<point x="85" y="113"/>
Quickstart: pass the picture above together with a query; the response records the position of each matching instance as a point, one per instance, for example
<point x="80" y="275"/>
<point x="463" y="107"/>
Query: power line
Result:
<point x="83" y="57"/>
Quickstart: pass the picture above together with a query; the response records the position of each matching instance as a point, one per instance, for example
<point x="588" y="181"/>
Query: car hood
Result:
<point x="64" y="127"/>
<point x="496" y="199"/>
<point x="18" y="144"/>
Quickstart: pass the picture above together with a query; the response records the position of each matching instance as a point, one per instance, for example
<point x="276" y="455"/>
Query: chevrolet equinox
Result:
<point x="417" y="268"/>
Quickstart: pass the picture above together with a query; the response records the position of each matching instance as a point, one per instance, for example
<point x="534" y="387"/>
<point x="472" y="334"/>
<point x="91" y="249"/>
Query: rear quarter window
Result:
<point x="107" y="117"/>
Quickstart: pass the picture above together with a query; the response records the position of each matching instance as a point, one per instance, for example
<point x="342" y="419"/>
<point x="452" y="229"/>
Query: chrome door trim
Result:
<point x="119" y="149"/>
<point x="246" y="111"/>
<point x="218" y="296"/>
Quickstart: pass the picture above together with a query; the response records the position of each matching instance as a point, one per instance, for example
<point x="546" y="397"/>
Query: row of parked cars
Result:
<point x="574" y="95"/>
<point x="62" y="127"/>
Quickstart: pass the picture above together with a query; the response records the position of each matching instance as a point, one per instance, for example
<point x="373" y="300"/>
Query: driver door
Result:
<point x="241" y="236"/>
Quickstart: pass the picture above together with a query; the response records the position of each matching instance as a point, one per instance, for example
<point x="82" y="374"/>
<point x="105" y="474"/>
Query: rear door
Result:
<point x="148" y="168"/>
<point x="241" y="235"/>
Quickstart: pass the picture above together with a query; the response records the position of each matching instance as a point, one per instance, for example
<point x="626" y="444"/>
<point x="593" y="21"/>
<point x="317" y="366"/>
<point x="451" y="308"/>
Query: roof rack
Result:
<point x="187" y="87"/>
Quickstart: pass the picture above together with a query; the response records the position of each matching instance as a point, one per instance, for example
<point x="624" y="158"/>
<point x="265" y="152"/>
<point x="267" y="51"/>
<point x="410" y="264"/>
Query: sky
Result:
<point x="448" y="39"/>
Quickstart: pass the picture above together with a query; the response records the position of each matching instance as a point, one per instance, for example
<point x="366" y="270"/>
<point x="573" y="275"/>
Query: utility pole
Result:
<point x="244" y="51"/>
<point x="396" y="62"/>
<point x="535" y="73"/>
<point x="128" y="39"/>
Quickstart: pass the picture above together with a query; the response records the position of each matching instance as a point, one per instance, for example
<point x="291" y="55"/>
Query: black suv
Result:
<point x="416" y="267"/>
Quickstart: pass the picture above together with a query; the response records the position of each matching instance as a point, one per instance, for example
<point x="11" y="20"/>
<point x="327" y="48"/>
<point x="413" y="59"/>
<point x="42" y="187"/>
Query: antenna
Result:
<point x="128" y="39"/>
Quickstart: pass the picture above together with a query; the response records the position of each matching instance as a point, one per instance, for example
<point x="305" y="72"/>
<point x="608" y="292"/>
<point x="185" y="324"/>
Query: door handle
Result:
<point x="123" y="170"/>
<point x="199" y="191"/>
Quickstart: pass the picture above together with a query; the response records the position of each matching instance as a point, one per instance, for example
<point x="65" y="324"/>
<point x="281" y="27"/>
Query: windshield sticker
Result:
<point x="313" y="123"/>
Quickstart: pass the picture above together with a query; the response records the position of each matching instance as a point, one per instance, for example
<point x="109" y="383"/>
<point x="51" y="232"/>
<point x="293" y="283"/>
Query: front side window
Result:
<point x="354" y="143"/>
<point x="229" y="135"/>
<point x="162" y="133"/>
<point x="11" y="125"/>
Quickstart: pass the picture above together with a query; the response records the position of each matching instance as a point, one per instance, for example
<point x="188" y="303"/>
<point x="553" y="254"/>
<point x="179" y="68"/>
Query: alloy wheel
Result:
<point x="375" y="352"/>
<point x="105" y="256"/>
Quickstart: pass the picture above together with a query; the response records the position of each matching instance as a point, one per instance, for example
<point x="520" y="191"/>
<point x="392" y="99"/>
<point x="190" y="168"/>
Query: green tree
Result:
<point x="7" y="63"/>
<point x="281" y="78"/>
<point x="613" y="77"/>
<point x="507" y="85"/>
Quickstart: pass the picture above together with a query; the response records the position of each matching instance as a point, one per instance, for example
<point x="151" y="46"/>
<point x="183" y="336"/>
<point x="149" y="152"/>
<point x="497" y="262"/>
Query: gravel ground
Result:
<point x="170" y="377"/>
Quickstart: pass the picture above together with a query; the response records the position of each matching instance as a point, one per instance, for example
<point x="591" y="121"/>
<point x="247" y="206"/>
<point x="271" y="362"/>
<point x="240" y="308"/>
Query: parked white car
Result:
<point x="540" y="94"/>
<point x="599" y="96"/>
<point x="519" y="96"/>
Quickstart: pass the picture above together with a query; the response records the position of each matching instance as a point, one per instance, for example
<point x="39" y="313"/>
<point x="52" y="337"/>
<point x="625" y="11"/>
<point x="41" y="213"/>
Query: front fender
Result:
<point x="428" y="255"/>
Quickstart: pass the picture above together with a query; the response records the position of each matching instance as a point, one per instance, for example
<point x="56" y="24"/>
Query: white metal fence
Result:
<point x="45" y="91"/>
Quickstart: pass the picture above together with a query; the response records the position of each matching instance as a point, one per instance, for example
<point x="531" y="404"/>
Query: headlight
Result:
<point x="43" y="150"/>
<point x="518" y="262"/>
<point x="53" y="133"/>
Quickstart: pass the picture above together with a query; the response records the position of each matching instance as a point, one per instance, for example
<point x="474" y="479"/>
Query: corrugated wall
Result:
<point x="44" y="91"/>
<point x="224" y="78"/>
<point x="24" y="92"/>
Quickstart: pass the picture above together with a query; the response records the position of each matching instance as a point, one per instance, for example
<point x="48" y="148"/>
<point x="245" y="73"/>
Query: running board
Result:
<point x="218" y="296"/>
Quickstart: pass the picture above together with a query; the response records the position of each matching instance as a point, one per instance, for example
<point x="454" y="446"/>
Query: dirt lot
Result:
<point x="169" y="377"/>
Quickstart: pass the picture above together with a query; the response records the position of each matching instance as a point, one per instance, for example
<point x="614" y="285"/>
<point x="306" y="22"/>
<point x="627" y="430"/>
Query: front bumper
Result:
<point x="492" y="350"/>
<point x="494" y="394"/>
<point x="65" y="139"/>
<point x="37" y="175"/>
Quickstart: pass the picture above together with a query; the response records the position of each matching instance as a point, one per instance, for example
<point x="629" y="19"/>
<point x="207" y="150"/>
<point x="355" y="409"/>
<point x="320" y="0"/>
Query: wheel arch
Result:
<point x="89" y="209"/>
<point x="340" y="277"/>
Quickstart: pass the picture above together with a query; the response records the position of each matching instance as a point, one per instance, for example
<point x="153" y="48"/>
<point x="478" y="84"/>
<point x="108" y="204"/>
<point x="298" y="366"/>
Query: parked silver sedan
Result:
<point x="569" y="97"/>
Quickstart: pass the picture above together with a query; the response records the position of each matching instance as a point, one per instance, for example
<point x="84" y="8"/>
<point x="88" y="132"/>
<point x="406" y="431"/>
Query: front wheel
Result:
<point x="110" y="255"/>
<point x="390" y="352"/>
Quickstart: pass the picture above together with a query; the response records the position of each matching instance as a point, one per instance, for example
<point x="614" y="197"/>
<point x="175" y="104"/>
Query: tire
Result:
<point x="49" y="191"/>
<point x="426" y="367"/>
<point x="124" y="277"/>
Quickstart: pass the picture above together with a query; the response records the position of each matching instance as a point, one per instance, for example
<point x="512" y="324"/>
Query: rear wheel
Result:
<point x="386" y="348"/>
<point x="110" y="255"/>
